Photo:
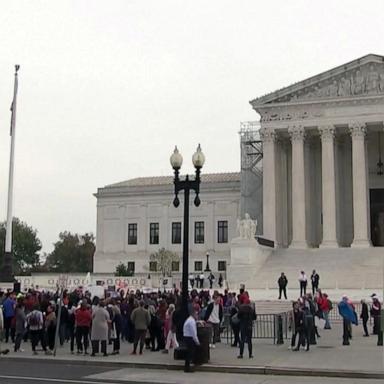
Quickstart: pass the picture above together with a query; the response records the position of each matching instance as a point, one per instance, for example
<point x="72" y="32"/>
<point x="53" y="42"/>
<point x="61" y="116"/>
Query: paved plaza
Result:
<point x="327" y="358"/>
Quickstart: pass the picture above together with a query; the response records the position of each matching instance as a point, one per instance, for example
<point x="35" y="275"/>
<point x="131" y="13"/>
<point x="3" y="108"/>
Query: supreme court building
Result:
<point x="323" y="182"/>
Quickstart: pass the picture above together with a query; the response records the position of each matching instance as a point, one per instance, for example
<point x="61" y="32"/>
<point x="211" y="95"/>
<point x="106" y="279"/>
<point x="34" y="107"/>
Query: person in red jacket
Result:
<point x="325" y="306"/>
<point x="83" y="319"/>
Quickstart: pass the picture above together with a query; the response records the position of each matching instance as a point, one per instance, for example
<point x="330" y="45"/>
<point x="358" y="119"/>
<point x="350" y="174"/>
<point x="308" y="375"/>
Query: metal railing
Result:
<point x="266" y="326"/>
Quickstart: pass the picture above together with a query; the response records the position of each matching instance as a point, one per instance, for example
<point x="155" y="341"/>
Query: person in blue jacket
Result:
<point x="347" y="312"/>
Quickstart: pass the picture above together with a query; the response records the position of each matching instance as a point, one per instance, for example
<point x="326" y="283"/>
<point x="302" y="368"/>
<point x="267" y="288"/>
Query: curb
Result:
<point x="256" y="370"/>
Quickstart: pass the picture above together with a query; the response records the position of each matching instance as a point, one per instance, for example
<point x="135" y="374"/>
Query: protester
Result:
<point x="326" y="307"/>
<point x="99" y="330"/>
<point x="235" y="323"/>
<point x="83" y="319"/>
<point x="20" y="322"/>
<point x="170" y="330"/>
<point x="348" y="314"/>
<point x="35" y="323"/>
<point x="141" y="319"/>
<point x="9" y="305"/>
<point x="296" y="322"/>
<point x="50" y="327"/>
<point x="375" y="313"/>
<point x="364" y="316"/>
<point x="70" y="332"/>
<point x="304" y="325"/>
<point x="246" y="316"/>
<point x="214" y="316"/>
<point x="116" y="326"/>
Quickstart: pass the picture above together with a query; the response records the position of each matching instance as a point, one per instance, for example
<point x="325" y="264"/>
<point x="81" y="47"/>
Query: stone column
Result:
<point x="361" y="224"/>
<point x="327" y="134"/>
<point x="268" y="136"/>
<point x="299" y="240"/>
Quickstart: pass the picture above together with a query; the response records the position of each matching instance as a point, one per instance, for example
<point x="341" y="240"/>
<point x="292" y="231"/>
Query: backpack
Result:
<point x="330" y="306"/>
<point x="34" y="319"/>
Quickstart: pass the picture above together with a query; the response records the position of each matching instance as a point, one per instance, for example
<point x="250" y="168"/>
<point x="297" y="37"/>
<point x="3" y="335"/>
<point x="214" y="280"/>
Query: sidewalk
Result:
<point x="363" y="358"/>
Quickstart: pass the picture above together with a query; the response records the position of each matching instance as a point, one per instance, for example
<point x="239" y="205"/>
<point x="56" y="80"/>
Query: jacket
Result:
<point x="246" y="315"/>
<point x="209" y="311"/>
<point x="140" y="318"/>
<point x="364" y="312"/>
<point x="83" y="317"/>
<point x="347" y="312"/>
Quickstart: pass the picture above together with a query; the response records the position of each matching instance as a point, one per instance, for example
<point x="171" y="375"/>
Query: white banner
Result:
<point x="51" y="281"/>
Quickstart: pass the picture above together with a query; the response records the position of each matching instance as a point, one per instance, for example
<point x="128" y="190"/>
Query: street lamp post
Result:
<point x="207" y="269"/>
<point x="186" y="185"/>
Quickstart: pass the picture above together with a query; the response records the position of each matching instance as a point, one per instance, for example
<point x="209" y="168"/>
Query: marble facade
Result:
<point x="322" y="140"/>
<point x="147" y="200"/>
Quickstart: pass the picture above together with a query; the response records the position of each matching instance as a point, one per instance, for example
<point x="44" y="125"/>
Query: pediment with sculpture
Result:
<point x="367" y="80"/>
<point x="360" y="78"/>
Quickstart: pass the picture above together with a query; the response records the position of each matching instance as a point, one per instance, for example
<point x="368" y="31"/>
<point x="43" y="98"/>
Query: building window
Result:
<point x="176" y="233"/>
<point x="222" y="231"/>
<point x="221" y="265"/>
<point x="175" y="266"/>
<point x="132" y="233"/>
<point x="153" y="266"/>
<point x="199" y="232"/>
<point x="154" y="233"/>
<point x="131" y="268"/>
<point x="198" y="265"/>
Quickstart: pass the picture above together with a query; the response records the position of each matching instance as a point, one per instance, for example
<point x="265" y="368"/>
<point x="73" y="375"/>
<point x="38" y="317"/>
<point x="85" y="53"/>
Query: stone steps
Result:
<point x="344" y="268"/>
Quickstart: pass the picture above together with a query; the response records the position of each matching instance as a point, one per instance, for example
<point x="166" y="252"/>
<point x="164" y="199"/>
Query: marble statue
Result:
<point x="372" y="80"/>
<point x="381" y="82"/>
<point x="358" y="83"/>
<point x="344" y="87"/>
<point x="246" y="227"/>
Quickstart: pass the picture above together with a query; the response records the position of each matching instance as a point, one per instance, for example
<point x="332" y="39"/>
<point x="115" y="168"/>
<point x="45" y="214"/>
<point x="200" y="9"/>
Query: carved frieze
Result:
<point x="365" y="80"/>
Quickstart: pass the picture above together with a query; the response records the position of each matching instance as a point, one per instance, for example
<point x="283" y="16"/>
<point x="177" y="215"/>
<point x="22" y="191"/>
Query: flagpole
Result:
<point x="7" y="270"/>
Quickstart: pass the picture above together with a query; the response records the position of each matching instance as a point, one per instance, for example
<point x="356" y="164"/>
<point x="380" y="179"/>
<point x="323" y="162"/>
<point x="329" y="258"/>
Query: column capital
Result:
<point x="358" y="129"/>
<point x="268" y="135"/>
<point x="296" y="132"/>
<point x="327" y="132"/>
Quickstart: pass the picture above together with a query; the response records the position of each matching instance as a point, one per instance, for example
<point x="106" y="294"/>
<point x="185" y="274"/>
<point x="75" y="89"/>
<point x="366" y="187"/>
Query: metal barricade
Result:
<point x="267" y="326"/>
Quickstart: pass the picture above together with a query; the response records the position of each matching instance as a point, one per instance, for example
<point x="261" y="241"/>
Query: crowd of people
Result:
<point x="155" y="321"/>
<point x="90" y="324"/>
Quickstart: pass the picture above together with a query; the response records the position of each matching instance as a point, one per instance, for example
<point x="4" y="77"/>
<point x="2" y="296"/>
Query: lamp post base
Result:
<point x="6" y="273"/>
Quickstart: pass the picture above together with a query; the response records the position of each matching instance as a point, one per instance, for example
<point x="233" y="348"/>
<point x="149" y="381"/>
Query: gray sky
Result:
<point x="107" y="88"/>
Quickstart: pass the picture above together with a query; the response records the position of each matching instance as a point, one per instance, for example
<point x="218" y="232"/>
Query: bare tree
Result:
<point x="164" y="260"/>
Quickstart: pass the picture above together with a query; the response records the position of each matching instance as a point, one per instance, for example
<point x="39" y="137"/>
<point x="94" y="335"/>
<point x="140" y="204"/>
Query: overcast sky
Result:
<point x="107" y="88"/>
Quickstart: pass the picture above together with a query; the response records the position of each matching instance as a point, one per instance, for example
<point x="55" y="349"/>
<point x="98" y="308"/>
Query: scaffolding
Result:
<point x="251" y="149"/>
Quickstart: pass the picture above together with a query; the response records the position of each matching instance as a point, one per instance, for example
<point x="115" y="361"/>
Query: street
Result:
<point x="40" y="372"/>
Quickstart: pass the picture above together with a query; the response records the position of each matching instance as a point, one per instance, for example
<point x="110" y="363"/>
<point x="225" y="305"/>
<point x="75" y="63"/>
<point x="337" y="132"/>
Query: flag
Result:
<point x="13" y="105"/>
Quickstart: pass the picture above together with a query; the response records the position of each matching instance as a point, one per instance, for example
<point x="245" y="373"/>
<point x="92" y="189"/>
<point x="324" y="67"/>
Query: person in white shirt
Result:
<point x="214" y="316"/>
<point x="191" y="340"/>
<point x="303" y="283"/>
